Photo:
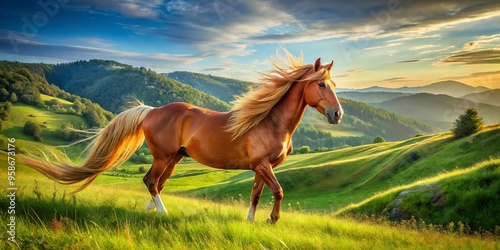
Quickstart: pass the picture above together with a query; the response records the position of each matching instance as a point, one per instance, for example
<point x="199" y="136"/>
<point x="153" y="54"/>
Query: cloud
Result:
<point x="470" y="45"/>
<point x="149" y="9"/>
<point x="486" y="56"/>
<point x="216" y="69"/>
<point x="398" y="79"/>
<point x="410" y="61"/>
<point x="98" y="42"/>
<point x="437" y="50"/>
<point x="233" y="27"/>
<point x="490" y="41"/>
<point x="383" y="46"/>
<point x="425" y="46"/>
<point x="349" y="73"/>
<point x="30" y="49"/>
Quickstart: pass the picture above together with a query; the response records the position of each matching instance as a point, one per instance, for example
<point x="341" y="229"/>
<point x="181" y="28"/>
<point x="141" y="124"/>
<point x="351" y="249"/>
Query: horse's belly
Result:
<point x="230" y="158"/>
<point x="216" y="162"/>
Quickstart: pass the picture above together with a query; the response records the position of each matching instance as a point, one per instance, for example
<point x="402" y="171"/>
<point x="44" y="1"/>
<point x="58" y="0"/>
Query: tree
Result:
<point x="378" y="139"/>
<point x="467" y="123"/>
<point x="304" y="150"/>
<point x="31" y="128"/>
<point x="13" y="97"/>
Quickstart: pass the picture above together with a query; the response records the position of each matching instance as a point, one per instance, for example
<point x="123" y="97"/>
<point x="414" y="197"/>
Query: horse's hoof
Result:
<point x="271" y="221"/>
<point x="150" y="206"/>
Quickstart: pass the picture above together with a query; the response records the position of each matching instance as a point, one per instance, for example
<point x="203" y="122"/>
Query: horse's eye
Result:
<point x="322" y="84"/>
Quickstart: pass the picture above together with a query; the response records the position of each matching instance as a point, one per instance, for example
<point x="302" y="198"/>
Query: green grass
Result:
<point x="111" y="216"/>
<point x="344" y="133"/>
<point x="208" y="206"/>
<point x="49" y="122"/>
<point x="332" y="180"/>
<point x="65" y="103"/>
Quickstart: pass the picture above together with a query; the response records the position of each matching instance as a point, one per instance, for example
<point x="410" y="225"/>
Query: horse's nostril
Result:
<point x="337" y="114"/>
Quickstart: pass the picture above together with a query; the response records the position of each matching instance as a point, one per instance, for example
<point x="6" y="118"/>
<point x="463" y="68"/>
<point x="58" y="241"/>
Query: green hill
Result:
<point x="333" y="180"/>
<point x="26" y="83"/>
<point x="110" y="214"/>
<point x="113" y="85"/>
<point x="223" y="88"/>
<point x="438" y="110"/>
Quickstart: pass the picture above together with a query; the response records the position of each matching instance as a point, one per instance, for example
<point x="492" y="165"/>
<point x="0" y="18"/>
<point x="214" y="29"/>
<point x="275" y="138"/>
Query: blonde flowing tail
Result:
<point x="112" y="146"/>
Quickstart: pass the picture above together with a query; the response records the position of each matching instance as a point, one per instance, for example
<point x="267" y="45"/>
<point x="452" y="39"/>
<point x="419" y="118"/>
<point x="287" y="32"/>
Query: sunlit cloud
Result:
<point x="349" y="73"/>
<point x="383" y="46"/>
<point x="74" y="53"/>
<point x="487" y="56"/>
<point x="425" y="46"/>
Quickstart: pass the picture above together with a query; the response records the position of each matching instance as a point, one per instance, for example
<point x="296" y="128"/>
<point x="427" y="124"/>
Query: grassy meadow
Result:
<point x="333" y="200"/>
<point x="110" y="214"/>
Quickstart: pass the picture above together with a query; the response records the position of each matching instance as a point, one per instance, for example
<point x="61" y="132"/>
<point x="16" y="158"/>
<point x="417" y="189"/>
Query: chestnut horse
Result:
<point x="255" y="134"/>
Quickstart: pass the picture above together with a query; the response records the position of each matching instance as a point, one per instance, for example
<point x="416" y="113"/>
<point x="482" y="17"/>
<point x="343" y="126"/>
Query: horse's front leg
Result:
<point x="265" y="172"/>
<point x="257" y="188"/>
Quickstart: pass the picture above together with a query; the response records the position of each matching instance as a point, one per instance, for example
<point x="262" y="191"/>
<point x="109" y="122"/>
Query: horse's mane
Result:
<point x="252" y="107"/>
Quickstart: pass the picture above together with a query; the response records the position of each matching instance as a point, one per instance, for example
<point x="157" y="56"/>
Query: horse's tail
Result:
<point x="112" y="146"/>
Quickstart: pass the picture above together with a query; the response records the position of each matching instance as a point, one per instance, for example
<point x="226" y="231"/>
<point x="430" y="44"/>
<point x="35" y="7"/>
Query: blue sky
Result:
<point x="389" y="43"/>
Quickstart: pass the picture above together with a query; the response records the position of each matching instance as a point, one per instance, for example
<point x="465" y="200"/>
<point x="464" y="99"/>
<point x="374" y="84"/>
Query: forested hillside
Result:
<point x="113" y="85"/>
<point x="22" y="82"/>
<point x="220" y="87"/>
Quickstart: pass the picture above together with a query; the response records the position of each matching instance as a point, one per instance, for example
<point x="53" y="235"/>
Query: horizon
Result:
<point x="391" y="44"/>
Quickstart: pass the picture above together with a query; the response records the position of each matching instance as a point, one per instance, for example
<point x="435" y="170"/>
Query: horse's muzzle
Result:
<point x="334" y="117"/>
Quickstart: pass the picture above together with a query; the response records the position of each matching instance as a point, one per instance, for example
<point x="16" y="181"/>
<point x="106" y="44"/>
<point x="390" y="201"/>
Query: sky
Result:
<point x="389" y="43"/>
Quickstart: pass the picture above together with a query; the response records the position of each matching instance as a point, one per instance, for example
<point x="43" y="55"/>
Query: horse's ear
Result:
<point x="317" y="64"/>
<point x="329" y="67"/>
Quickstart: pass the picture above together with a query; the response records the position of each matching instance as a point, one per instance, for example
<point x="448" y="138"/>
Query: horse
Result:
<point x="255" y="134"/>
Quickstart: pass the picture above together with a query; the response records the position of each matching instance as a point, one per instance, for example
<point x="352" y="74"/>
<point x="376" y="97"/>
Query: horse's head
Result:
<point x="320" y="92"/>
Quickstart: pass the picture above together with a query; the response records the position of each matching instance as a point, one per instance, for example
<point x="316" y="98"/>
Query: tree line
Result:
<point x="24" y="83"/>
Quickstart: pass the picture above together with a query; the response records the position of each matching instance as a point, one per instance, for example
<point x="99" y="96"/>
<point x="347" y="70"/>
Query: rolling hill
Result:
<point x="26" y="83"/>
<point x="223" y="88"/>
<point x="109" y="214"/>
<point x="333" y="180"/>
<point x="113" y="85"/>
<point x="451" y="88"/>
<point x="438" y="110"/>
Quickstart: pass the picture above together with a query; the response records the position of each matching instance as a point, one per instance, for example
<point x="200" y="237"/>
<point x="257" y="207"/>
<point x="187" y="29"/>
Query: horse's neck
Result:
<point x="286" y="115"/>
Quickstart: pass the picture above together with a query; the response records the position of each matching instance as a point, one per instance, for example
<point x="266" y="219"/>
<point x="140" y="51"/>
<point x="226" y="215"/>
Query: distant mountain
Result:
<point x="223" y="88"/>
<point x="113" y="85"/>
<point x="438" y="110"/>
<point x="371" y="97"/>
<point x="488" y="97"/>
<point x="451" y="88"/>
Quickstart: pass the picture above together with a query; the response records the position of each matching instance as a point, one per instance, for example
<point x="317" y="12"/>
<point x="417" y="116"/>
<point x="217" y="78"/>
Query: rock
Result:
<point x="397" y="213"/>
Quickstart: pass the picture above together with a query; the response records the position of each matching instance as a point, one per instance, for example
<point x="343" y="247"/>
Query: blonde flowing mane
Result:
<point x="251" y="108"/>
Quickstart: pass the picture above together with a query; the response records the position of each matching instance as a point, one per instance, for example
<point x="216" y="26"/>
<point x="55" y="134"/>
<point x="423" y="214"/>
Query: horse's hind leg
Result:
<point x="151" y="181"/>
<point x="155" y="180"/>
<point x="169" y="171"/>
